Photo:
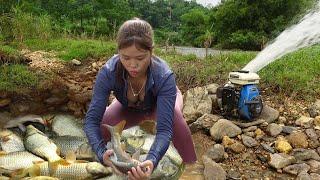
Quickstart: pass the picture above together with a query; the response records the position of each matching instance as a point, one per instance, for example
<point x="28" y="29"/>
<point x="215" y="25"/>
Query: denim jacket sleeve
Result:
<point x="165" y="112"/>
<point x="96" y="110"/>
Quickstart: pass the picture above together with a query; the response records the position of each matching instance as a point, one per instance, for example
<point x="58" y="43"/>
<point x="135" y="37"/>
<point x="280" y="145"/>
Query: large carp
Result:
<point x="120" y="159"/>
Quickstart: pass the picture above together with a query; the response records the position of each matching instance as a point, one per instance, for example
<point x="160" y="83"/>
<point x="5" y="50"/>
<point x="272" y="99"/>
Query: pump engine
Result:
<point x="240" y="96"/>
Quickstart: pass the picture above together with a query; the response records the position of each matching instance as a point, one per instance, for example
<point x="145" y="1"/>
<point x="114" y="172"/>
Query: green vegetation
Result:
<point x="68" y="49"/>
<point x="234" y="24"/>
<point x="296" y="74"/>
<point x="16" y="77"/>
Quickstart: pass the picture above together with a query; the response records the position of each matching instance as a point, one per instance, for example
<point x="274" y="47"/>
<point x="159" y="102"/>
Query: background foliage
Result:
<point x="234" y="24"/>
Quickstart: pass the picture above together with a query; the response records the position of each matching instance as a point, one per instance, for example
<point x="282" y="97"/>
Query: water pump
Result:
<point x="240" y="96"/>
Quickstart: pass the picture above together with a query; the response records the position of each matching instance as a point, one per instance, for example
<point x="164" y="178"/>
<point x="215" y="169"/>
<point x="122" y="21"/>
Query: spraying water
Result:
<point x="305" y="33"/>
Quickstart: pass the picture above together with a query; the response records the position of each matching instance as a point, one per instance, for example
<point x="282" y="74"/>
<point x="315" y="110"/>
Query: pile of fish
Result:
<point x="55" y="147"/>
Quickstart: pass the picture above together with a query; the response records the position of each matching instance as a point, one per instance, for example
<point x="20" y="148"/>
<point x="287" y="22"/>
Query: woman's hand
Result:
<point x="106" y="161"/>
<point x="142" y="172"/>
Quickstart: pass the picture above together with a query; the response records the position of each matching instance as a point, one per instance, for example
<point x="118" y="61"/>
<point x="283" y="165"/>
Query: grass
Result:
<point x="296" y="74"/>
<point x="68" y="49"/>
<point x="9" y="50"/>
<point x="16" y="77"/>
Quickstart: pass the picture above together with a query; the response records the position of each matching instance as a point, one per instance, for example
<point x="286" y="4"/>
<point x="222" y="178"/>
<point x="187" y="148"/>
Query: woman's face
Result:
<point x="135" y="61"/>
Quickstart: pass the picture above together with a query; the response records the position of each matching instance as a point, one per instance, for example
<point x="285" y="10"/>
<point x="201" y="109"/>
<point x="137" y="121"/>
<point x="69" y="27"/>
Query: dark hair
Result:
<point x="134" y="32"/>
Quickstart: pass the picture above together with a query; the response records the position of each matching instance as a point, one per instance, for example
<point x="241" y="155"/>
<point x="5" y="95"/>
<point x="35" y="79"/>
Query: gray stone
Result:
<point x="212" y="88"/>
<point x="249" y="129"/>
<point x="196" y="103"/>
<point x="314" y="166"/>
<point x="212" y="170"/>
<point x="303" y="176"/>
<point x="224" y="128"/>
<point x="268" y="148"/>
<point x="289" y="129"/>
<point x="269" y="114"/>
<point x="304" y="121"/>
<point x="281" y="160"/>
<point x="216" y="153"/>
<point x="205" y="122"/>
<point x="76" y="62"/>
<point x="305" y="154"/>
<point x="274" y="129"/>
<point x="314" y="176"/>
<point x="296" y="168"/>
<point x="314" y="109"/>
<point x="249" y="141"/>
<point x="311" y="133"/>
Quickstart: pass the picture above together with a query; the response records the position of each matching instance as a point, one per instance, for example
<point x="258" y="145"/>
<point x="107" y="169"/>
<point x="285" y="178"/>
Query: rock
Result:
<point x="289" y="129"/>
<point x="303" y="176"/>
<point x="224" y="128"/>
<point x="216" y="153"/>
<point x="296" y="168"/>
<point x="76" y="62"/>
<point x="212" y="88"/>
<point x="281" y="160"/>
<point x="232" y="144"/>
<point x="305" y="154"/>
<point x="317" y="122"/>
<point x="282" y="120"/>
<point x="95" y="65"/>
<point x="5" y="102"/>
<point x="55" y="100"/>
<point x="205" y="122"/>
<point x="311" y="133"/>
<point x="314" y="176"/>
<point x="314" y="166"/>
<point x="259" y="133"/>
<point x="269" y="114"/>
<point x="237" y="147"/>
<point x="251" y="134"/>
<point x="298" y="139"/>
<point x="314" y="109"/>
<point x="282" y="145"/>
<point x="274" y="129"/>
<point x="249" y="129"/>
<point x="233" y="174"/>
<point x="313" y="143"/>
<point x="249" y="141"/>
<point x="304" y="121"/>
<point x="197" y="103"/>
<point x="212" y="170"/>
<point x="268" y="148"/>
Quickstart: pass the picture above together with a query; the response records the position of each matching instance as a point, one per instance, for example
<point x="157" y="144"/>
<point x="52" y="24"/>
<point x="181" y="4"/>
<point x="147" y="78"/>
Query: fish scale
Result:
<point x="72" y="170"/>
<point x="10" y="142"/>
<point x="39" y="144"/>
<point x="18" y="160"/>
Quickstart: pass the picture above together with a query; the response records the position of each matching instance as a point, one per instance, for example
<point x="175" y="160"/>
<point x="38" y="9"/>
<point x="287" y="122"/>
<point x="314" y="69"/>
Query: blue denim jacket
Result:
<point x="160" y="92"/>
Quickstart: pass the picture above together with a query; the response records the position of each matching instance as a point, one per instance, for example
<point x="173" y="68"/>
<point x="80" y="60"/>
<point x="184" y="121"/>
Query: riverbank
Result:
<point x="66" y="86"/>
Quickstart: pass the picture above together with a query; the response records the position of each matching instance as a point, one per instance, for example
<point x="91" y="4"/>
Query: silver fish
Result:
<point x="38" y="143"/>
<point x="120" y="159"/>
<point x="171" y="152"/>
<point x="76" y="170"/>
<point x="11" y="142"/>
<point x="165" y="170"/>
<point x="78" y="145"/>
<point x="67" y="125"/>
<point x="20" y="120"/>
<point x="10" y="162"/>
